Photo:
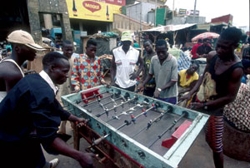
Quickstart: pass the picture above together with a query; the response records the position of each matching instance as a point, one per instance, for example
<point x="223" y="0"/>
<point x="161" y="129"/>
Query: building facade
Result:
<point x="30" y="16"/>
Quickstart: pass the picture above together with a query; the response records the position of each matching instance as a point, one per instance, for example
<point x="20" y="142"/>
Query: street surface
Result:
<point x="199" y="155"/>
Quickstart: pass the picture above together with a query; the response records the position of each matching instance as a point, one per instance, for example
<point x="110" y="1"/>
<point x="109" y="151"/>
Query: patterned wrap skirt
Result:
<point x="214" y="133"/>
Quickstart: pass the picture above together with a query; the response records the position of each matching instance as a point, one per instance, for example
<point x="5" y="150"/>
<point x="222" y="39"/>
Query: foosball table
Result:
<point x="129" y="130"/>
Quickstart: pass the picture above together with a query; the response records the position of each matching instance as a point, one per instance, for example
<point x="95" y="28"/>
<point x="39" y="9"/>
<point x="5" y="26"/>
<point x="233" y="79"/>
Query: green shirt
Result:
<point x="165" y="73"/>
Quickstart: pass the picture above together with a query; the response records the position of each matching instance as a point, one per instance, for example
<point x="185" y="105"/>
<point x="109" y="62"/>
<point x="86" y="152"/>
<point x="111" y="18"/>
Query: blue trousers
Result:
<point x="172" y="100"/>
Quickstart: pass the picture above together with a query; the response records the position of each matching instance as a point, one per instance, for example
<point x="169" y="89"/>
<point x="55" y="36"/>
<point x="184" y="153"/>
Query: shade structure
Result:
<point x="168" y="28"/>
<point x="210" y="35"/>
<point x="160" y="29"/>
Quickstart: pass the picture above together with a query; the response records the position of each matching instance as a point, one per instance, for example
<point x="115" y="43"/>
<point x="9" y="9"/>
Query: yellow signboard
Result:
<point x="101" y="10"/>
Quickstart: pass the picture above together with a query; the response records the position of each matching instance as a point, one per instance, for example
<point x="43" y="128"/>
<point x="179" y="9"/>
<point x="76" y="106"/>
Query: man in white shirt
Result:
<point x="123" y="64"/>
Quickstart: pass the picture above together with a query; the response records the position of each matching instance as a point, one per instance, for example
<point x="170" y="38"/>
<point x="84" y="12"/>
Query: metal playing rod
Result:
<point x="96" y="96"/>
<point x="169" y="128"/>
<point x="156" y="119"/>
<point x="103" y="105"/>
<point x="124" y="112"/>
<point x="82" y="100"/>
<point x="126" y="122"/>
<point x="105" y="108"/>
<point x="112" y="101"/>
<point x="93" y="96"/>
<point x="97" y="141"/>
<point x="133" y="118"/>
<point x="98" y="100"/>
<point x="144" y="112"/>
<point x="121" y="104"/>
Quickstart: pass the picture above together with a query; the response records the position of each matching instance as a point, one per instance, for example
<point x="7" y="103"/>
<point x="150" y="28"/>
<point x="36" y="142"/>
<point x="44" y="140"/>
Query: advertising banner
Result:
<point x="197" y="13"/>
<point x="99" y="10"/>
<point x="182" y="11"/>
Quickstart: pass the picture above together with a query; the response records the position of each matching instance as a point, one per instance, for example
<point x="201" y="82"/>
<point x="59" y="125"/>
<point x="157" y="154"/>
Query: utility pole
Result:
<point x="140" y="14"/>
<point x="173" y="23"/>
<point x="194" y="10"/>
<point x="139" y="34"/>
<point x="173" y="12"/>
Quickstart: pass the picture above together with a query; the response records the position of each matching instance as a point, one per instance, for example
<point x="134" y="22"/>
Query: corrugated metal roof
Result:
<point x="169" y="28"/>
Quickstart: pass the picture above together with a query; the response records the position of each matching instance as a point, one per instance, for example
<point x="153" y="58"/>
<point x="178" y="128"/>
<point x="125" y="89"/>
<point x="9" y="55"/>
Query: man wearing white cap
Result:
<point x="23" y="48"/>
<point x="125" y="59"/>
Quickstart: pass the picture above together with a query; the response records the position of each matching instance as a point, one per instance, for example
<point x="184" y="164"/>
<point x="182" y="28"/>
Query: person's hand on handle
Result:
<point x="196" y="105"/>
<point x="81" y="121"/>
<point x="86" y="160"/>
<point x="132" y="76"/>
<point x="157" y="93"/>
<point x="185" y="97"/>
<point x="140" y="87"/>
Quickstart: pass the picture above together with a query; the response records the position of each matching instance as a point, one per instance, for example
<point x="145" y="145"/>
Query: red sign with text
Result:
<point x="100" y="10"/>
<point x="92" y="6"/>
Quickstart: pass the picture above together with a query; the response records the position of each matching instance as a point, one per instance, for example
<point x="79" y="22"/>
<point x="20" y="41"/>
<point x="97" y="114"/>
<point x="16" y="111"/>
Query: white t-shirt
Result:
<point x="125" y="65"/>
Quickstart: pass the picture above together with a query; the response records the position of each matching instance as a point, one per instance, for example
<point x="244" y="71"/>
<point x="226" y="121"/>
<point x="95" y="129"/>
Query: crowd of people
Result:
<point x="156" y="71"/>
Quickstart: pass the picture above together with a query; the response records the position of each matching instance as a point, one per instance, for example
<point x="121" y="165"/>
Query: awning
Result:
<point x="155" y="29"/>
<point x="169" y="28"/>
<point x="178" y="27"/>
